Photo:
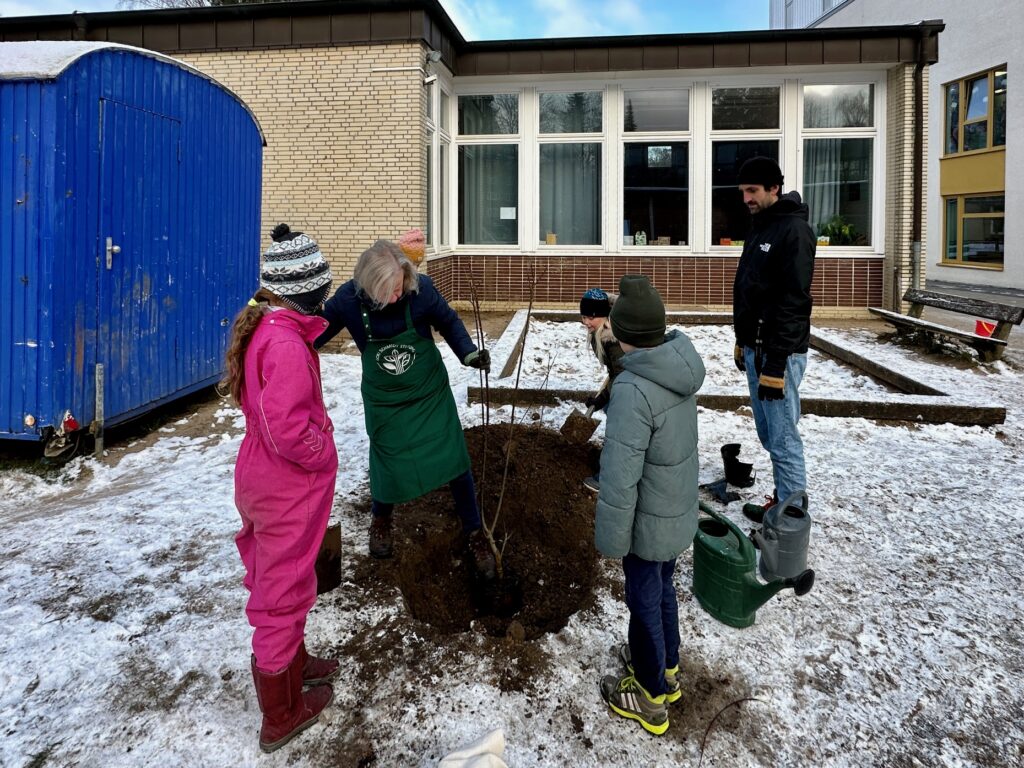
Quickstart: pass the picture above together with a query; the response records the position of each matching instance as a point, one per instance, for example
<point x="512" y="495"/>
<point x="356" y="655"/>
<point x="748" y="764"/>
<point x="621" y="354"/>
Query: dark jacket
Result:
<point x="648" y="500"/>
<point x="428" y="308"/>
<point x="610" y="354"/>
<point x="771" y="298"/>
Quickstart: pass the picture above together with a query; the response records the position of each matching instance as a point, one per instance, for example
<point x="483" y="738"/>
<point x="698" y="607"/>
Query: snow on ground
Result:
<point x="125" y="642"/>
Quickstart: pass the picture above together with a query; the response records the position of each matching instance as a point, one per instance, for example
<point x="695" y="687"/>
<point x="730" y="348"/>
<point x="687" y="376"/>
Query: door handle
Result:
<point x="111" y="250"/>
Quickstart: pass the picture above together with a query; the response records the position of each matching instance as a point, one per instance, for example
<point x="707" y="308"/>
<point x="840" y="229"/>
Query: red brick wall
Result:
<point x="686" y="281"/>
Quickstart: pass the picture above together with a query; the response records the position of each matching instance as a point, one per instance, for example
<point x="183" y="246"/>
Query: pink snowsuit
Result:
<point x="284" y="481"/>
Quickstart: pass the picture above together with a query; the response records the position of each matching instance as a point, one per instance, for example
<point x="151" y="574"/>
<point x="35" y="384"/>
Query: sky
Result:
<point x="520" y="19"/>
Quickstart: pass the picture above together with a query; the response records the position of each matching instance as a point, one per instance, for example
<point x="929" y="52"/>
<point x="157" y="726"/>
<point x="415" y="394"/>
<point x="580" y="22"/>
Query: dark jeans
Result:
<point x="653" y="620"/>
<point x="463" y="491"/>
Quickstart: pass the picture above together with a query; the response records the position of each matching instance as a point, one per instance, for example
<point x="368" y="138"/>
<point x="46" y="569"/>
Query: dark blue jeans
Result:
<point x="463" y="491"/>
<point x="653" y="620"/>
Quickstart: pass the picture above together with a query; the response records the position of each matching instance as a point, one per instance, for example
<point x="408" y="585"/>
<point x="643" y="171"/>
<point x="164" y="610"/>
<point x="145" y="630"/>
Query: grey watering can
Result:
<point x="784" y="539"/>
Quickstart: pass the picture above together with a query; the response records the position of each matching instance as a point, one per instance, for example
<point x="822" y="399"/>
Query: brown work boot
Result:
<point x="380" y="537"/>
<point x="483" y="556"/>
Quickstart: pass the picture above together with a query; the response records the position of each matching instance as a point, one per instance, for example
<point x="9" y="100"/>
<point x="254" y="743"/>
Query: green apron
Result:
<point x="416" y="441"/>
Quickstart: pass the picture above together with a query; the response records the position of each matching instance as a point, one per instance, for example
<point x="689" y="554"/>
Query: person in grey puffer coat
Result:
<point x="647" y="505"/>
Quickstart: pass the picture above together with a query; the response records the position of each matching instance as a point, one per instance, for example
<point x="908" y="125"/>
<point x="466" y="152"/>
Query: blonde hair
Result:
<point x="245" y="324"/>
<point x="374" y="274"/>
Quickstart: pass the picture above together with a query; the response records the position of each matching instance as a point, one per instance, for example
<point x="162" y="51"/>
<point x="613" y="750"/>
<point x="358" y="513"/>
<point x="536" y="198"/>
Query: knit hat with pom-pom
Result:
<point x="413" y="245"/>
<point x="295" y="271"/>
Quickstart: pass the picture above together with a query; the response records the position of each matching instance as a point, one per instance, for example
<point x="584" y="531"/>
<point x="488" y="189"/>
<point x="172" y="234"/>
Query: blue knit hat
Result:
<point x="595" y="303"/>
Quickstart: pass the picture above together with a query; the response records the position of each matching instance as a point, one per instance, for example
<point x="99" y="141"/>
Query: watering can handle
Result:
<point x="790" y="501"/>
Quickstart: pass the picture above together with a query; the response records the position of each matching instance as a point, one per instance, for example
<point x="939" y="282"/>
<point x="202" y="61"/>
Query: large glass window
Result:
<point x="570" y="194"/>
<point x="489" y="194"/>
<point x="837" y="187"/>
<point x="571" y="112"/>
<point x="974" y="230"/>
<point x="656" y="194"/>
<point x="976" y="112"/>
<point x="667" y="110"/>
<point x="839" y="106"/>
<point x="489" y="115"/>
<point x="730" y="219"/>
<point x="743" y="109"/>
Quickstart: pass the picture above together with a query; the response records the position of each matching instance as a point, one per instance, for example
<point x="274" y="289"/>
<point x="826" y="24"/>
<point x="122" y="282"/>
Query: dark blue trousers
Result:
<point x="653" y="620"/>
<point x="463" y="491"/>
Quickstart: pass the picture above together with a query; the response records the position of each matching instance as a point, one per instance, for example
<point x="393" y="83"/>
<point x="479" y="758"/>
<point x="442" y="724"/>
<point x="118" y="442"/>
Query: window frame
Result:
<point x="960" y="217"/>
<point x="962" y="83"/>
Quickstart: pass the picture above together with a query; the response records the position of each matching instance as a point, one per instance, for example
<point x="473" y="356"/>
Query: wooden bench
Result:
<point x="989" y="347"/>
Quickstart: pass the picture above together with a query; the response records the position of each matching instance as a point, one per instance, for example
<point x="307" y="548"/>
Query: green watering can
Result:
<point x="725" y="572"/>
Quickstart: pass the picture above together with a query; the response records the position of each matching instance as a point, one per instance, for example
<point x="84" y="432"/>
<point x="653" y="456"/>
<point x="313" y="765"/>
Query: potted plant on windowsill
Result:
<point x="837" y="231"/>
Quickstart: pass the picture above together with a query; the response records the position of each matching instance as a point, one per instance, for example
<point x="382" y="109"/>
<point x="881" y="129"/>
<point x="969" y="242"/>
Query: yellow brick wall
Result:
<point x="344" y="160"/>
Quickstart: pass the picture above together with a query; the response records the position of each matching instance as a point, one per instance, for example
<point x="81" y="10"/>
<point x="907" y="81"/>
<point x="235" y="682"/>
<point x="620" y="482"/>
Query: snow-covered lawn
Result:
<point x="125" y="643"/>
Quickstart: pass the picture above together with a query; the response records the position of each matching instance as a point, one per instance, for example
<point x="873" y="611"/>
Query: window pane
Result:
<point x="837" y="189"/>
<point x="656" y="111"/>
<point x="489" y="194"/>
<point x="442" y="193"/>
<point x="977" y="98"/>
<point x="430" y="102"/>
<point x="730" y="219"/>
<point x="443" y="118"/>
<point x="656" y="192"/>
<point x="484" y="115"/>
<point x="975" y="135"/>
<point x="999" y="110"/>
<point x="953" y="118"/>
<point x="429" y="153"/>
<point x="838" y="106"/>
<point x="735" y="109"/>
<point x="990" y="204"/>
<point x="951" y="229"/>
<point x="570" y="112"/>
<point x="983" y="241"/>
<point x="570" y="194"/>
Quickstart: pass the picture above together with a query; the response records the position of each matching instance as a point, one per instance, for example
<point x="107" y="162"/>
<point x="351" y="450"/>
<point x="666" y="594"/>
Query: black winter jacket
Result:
<point x="427" y="307"/>
<point x="771" y="298"/>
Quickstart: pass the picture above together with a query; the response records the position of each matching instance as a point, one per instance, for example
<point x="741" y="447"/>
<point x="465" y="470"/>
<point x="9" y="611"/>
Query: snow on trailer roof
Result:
<point x="46" y="60"/>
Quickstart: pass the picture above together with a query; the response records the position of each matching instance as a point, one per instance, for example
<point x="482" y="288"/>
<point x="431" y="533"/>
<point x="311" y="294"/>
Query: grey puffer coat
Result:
<point x="648" y="500"/>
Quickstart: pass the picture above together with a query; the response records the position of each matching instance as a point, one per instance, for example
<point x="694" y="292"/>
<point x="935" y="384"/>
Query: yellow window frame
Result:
<point x="960" y="217"/>
<point x="964" y="95"/>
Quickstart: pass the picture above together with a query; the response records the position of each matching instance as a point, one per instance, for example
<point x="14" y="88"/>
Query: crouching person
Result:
<point x="284" y="479"/>
<point x="647" y="505"/>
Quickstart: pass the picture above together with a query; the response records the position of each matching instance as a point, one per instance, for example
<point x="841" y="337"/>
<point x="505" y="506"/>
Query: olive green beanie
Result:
<point x="638" y="316"/>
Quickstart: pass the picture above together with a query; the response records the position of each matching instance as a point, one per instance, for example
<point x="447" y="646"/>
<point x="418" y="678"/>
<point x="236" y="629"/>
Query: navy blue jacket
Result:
<point x="428" y="308"/>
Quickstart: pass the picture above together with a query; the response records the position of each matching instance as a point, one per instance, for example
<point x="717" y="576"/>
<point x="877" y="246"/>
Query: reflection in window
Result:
<point x="951" y="226"/>
<point x="442" y="180"/>
<point x="737" y="109"/>
<point x="983" y="240"/>
<point x="999" y="109"/>
<point x="730" y="219"/>
<point x="570" y="112"/>
<point x="488" y="115"/>
<point x="656" y="194"/>
<point x="428" y="152"/>
<point x="838" y="106"/>
<point x="443" y="119"/>
<point x="570" y="194"/>
<point x="953" y="118"/>
<point x="837" y="189"/>
<point x="974" y="230"/>
<point x="656" y="111"/>
<point x="489" y="194"/>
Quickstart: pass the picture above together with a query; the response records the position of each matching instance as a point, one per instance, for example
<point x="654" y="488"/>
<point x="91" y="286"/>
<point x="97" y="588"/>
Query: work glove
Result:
<point x="478" y="358"/>
<point x="737" y="356"/>
<point x="771" y="384"/>
<point x="598" y="401"/>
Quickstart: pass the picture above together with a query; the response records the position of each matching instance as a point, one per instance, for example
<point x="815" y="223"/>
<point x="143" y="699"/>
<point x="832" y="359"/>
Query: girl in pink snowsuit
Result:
<point x="284" y="478"/>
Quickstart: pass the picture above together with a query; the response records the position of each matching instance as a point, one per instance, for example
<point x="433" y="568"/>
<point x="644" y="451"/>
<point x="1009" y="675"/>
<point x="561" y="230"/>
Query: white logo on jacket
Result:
<point x="396" y="359"/>
<point x="766" y="247"/>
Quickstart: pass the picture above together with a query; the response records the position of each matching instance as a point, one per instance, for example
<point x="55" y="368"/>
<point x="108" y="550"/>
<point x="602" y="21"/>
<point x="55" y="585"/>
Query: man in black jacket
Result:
<point x="772" y="319"/>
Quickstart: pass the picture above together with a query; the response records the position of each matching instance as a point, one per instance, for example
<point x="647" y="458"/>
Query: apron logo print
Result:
<point x="396" y="359"/>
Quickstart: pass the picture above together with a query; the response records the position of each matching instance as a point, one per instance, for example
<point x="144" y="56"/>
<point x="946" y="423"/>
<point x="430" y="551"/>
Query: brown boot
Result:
<point x="380" y="537"/>
<point x="287" y="710"/>
<point x="482" y="554"/>
<point x="316" y="671"/>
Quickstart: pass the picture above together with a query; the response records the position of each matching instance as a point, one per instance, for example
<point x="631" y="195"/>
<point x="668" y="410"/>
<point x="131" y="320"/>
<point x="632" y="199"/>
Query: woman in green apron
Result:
<point x="416" y="440"/>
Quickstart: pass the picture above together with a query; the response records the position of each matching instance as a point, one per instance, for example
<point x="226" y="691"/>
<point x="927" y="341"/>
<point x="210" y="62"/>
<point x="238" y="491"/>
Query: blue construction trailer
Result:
<point x="129" y="233"/>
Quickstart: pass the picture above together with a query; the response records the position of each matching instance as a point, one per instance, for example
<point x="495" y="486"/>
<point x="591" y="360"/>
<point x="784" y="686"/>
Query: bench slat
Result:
<point x="912" y="322"/>
<point x="979" y="307"/>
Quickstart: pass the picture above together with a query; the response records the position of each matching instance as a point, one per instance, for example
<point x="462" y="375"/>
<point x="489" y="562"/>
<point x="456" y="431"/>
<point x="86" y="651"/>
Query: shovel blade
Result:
<point x="578" y="428"/>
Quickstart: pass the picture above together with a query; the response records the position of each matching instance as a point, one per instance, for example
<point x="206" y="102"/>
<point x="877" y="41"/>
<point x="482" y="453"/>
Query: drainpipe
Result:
<point x="918" y="165"/>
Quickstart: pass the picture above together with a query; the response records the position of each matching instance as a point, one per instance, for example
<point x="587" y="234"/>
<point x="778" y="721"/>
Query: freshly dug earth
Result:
<point x="546" y="522"/>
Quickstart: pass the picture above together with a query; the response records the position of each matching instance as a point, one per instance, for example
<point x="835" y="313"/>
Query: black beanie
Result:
<point x="638" y="315"/>
<point x="760" y="170"/>
<point x="595" y="303"/>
